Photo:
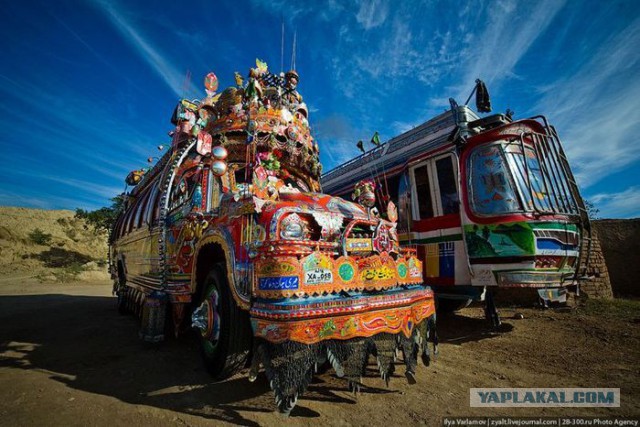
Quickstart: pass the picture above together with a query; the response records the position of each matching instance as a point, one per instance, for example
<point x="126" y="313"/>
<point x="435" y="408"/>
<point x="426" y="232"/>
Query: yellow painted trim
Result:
<point x="217" y="239"/>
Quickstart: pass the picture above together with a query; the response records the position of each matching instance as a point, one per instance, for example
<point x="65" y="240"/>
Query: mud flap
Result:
<point x="289" y="367"/>
<point x="350" y="358"/>
<point x="410" y="348"/>
<point x="385" y="352"/>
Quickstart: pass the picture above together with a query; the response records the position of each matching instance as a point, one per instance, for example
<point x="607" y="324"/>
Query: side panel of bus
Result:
<point x="137" y="233"/>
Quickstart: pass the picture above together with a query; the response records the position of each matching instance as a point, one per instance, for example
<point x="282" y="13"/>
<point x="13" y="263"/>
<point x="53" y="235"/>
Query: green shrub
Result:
<point x="69" y="273"/>
<point x="103" y="218"/>
<point x="39" y="237"/>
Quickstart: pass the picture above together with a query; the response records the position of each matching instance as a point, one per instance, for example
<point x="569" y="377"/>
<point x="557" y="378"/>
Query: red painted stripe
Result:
<point x="440" y="281"/>
<point x="437" y="223"/>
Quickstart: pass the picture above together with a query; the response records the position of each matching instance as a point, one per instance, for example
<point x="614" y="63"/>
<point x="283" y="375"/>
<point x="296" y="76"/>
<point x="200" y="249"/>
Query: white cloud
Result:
<point x="508" y="34"/>
<point x="95" y="53"/>
<point x="596" y="109"/>
<point x="625" y="204"/>
<point x="16" y="199"/>
<point x="84" y="135"/>
<point x="399" y="127"/>
<point x="162" y="66"/>
<point x="297" y="11"/>
<point x="372" y="13"/>
<point x="86" y="186"/>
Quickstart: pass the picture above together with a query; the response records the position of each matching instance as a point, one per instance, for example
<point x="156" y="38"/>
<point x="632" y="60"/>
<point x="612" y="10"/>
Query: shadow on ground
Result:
<point x="459" y="328"/>
<point x="58" y="257"/>
<point x="84" y="343"/>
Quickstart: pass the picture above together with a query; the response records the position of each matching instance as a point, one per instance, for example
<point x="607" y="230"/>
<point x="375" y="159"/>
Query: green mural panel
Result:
<point x="514" y="239"/>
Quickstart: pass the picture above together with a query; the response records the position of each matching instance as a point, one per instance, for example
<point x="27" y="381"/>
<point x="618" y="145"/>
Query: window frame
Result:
<point x="434" y="185"/>
<point x="152" y="205"/>
<point x="510" y="180"/>
<point x="140" y="208"/>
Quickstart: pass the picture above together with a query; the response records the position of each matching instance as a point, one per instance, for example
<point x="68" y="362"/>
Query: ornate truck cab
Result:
<point x="230" y="230"/>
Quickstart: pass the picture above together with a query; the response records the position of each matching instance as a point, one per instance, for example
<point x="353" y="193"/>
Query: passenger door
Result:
<point x="437" y="225"/>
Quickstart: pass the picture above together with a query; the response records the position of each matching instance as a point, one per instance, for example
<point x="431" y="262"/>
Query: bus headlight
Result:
<point x="293" y="227"/>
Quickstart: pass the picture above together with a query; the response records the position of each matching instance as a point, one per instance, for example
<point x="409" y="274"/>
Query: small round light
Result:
<point x="218" y="167"/>
<point x="292" y="133"/>
<point x="219" y="152"/>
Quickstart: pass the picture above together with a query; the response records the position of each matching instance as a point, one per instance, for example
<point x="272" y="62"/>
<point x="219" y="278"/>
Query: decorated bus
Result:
<point x="489" y="202"/>
<point x="228" y="234"/>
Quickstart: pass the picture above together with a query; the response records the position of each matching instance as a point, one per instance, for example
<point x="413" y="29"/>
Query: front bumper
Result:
<point x="341" y="317"/>
<point x="534" y="279"/>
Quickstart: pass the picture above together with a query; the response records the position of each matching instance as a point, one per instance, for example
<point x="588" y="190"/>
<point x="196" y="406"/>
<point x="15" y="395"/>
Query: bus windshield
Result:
<point x="509" y="177"/>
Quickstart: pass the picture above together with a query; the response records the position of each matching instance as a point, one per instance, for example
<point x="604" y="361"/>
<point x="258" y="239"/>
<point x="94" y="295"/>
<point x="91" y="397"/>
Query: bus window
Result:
<point x="144" y="200"/>
<point x="130" y="215"/>
<point x="392" y="184"/>
<point x="215" y="192"/>
<point x="118" y="227"/>
<point x="492" y="189"/>
<point x="155" y="216"/>
<point x="152" y="205"/>
<point x="423" y="192"/>
<point x="448" y="186"/>
<point x="184" y="187"/>
<point x="240" y="176"/>
<point x="404" y="202"/>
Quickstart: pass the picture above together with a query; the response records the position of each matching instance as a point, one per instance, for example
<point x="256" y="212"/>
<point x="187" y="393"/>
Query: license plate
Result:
<point x="318" y="276"/>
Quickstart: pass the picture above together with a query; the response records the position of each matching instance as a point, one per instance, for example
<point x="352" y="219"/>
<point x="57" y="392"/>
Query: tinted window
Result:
<point x="423" y="191"/>
<point x="130" y="215"/>
<point x="118" y="226"/>
<point x="144" y="199"/>
<point x="392" y="184"/>
<point x="448" y="186"/>
<point x="152" y="204"/>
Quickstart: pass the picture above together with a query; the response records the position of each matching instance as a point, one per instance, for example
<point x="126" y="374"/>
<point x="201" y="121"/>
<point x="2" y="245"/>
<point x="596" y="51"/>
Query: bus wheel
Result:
<point x="451" y="305"/>
<point x="225" y="331"/>
<point x="122" y="294"/>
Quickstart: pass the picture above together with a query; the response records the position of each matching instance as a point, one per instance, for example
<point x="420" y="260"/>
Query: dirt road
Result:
<point x="68" y="358"/>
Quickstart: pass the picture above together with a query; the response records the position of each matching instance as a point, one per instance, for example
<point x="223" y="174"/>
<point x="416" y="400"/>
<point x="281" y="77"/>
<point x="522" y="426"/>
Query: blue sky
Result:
<point x="88" y="87"/>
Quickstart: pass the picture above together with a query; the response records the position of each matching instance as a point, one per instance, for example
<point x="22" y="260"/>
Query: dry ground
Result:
<point x="68" y="358"/>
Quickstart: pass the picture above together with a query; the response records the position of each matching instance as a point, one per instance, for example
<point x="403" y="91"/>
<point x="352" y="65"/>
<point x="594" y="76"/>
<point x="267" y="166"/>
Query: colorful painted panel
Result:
<point x="447" y="260"/>
<point x="278" y="283"/>
<point x="432" y="260"/>
<point x="501" y="240"/>
<point x="320" y="274"/>
<point x="440" y="262"/>
<point x="397" y="319"/>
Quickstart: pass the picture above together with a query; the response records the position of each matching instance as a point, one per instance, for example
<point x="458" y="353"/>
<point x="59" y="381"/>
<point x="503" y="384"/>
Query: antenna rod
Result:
<point x="475" y="87"/>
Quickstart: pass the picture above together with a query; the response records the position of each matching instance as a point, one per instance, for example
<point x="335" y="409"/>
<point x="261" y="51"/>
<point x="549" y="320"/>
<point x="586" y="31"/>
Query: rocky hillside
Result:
<point x="50" y="246"/>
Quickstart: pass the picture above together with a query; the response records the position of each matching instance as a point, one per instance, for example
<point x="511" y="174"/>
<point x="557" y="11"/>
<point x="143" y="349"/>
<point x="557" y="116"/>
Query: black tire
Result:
<point x="121" y="291"/>
<point x="230" y="353"/>
<point x="446" y="305"/>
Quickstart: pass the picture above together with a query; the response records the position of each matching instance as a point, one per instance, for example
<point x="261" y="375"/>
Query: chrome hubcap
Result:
<point x="207" y="319"/>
